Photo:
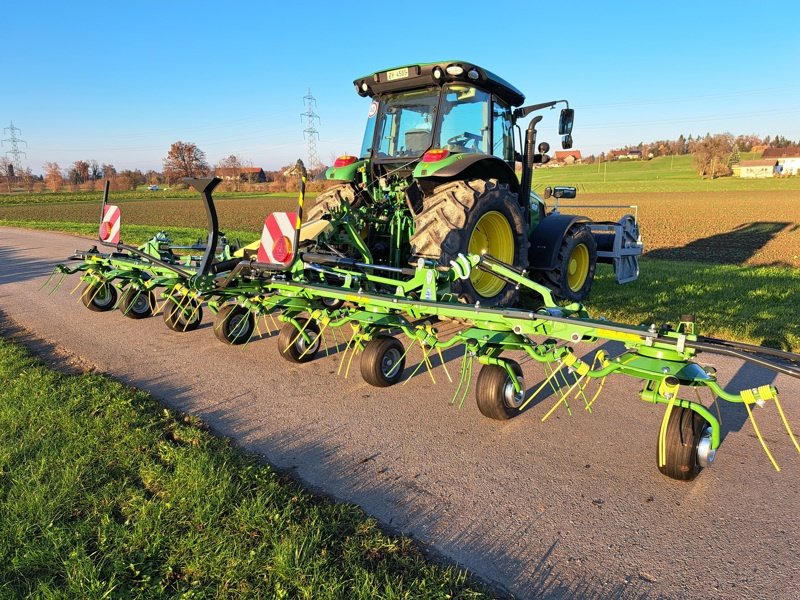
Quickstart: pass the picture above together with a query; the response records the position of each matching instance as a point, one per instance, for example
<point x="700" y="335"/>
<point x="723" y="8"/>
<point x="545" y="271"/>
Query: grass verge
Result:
<point x="103" y="492"/>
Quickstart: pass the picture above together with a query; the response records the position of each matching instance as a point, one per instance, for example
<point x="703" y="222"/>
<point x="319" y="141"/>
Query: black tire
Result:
<point x="137" y="304"/>
<point x="99" y="297"/>
<point x="234" y="324"/>
<point x="329" y="200"/>
<point x="186" y="318"/>
<point x="383" y="361"/>
<point x="575" y="265"/>
<point x="293" y="347"/>
<point x="495" y="392"/>
<point x="449" y="221"/>
<point x="686" y="429"/>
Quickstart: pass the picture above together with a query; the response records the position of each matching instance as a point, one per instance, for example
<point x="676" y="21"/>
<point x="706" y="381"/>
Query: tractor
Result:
<point x="436" y="178"/>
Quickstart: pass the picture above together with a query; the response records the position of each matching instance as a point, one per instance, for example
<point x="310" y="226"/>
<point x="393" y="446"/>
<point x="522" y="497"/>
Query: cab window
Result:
<point x="502" y="141"/>
<point x="465" y="125"/>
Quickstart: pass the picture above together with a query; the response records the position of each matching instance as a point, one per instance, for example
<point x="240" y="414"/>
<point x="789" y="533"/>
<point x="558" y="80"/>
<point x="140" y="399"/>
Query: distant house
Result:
<point x="625" y="154"/>
<point x="569" y="157"/>
<point x="788" y="159"/>
<point x="753" y="169"/>
<point x="251" y="174"/>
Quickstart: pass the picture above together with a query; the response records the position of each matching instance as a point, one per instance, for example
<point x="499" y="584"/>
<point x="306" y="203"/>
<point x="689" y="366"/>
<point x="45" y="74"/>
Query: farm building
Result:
<point x="569" y="157"/>
<point x="788" y="159"/>
<point x="752" y="169"/>
<point x="625" y="155"/>
<point x="251" y="174"/>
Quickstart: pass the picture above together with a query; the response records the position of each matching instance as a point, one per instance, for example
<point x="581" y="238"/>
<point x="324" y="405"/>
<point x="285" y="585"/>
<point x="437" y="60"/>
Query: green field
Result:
<point x="104" y="493"/>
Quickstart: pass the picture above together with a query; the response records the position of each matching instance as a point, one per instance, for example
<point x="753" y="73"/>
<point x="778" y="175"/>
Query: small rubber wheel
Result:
<point x="293" y="346"/>
<point x="137" y="304"/>
<point x="383" y="361"/>
<point x="495" y="392"/>
<point x="234" y="324"/>
<point x="99" y="297"/>
<point x="182" y="316"/>
<point x="687" y="432"/>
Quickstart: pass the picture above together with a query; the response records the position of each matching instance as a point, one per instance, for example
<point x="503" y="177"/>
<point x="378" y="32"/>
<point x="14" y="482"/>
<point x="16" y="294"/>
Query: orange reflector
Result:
<point x="282" y="249"/>
<point x="435" y="155"/>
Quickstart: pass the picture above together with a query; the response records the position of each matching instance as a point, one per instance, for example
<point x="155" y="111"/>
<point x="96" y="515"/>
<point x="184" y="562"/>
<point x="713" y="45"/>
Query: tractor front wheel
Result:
<point x="137" y="304"/>
<point x="575" y="265"/>
<point x="495" y="393"/>
<point x="383" y="361"/>
<point x="293" y="346"/>
<point x="234" y="324"/>
<point x="688" y="445"/>
<point x="99" y="297"/>
<point x="474" y="217"/>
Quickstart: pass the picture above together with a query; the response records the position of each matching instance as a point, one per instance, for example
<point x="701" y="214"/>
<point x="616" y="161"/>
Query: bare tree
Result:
<point x="109" y="171"/>
<point x="711" y="155"/>
<point x="6" y="171"/>
<point x="79" y="173"/>
<point x="185" y="159"/>
<point x="53" y="177"/>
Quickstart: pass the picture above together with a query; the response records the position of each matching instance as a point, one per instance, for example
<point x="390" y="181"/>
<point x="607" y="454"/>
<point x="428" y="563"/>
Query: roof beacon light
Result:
<point x="455" y="70"/>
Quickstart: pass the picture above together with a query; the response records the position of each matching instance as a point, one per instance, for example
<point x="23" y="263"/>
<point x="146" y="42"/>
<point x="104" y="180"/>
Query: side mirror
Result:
<point x="564" y="192"/>
<point x="566" y="142"/>
<point x="565" y="121"/>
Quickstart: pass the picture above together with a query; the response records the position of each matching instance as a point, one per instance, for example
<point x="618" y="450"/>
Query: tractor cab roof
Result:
<point x="409" y="77"/>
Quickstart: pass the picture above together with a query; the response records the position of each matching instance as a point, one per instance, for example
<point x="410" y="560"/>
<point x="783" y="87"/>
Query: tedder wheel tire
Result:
<point x="476" y="216"/>
<point x="383" y="361"/>
<point x="575" y="265"/>
<point x="187" y="318"/>
<point x="329" y="200"/>
<point x="495" y="392"/>
<point x="293" y="347"/>
<point x="688" y="445"/>
<point x="99" y="297"/>
<point x="137" y="304"/>
<point x="234" y="324"/>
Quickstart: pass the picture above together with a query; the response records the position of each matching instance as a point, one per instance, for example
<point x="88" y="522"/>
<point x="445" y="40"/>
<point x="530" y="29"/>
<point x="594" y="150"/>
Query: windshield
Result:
<point x="404" y="125"/>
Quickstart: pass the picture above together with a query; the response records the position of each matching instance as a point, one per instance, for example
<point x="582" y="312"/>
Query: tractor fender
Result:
<point x="471" y="166"/>
<point x="547" y="237"/>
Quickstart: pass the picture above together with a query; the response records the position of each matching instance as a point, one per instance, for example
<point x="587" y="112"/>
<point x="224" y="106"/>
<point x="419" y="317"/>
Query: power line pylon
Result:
<point x="310" y="133"/>
<point x="15" y="152"/>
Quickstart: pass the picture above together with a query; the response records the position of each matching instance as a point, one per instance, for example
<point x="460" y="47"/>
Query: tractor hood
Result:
<point x="421" y="75"/>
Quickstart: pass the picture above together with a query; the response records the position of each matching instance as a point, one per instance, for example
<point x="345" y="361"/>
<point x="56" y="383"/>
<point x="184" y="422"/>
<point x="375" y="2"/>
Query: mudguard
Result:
<point x="483" y="166"/>
<point x="546" y="239"/>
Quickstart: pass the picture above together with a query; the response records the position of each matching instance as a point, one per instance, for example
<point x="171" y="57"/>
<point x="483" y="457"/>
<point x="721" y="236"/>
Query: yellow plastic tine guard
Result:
<point x="444" y="366"/>
<point x="539" y="389"/>
<point x="758" y="432"/>
<point x="564" y="399"/>
<point x="669" y="390"/>
<point x="786" y="423"/>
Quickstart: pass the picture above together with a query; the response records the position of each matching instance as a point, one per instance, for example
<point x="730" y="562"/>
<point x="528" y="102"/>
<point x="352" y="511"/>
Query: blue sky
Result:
<point x="119" y="82"/>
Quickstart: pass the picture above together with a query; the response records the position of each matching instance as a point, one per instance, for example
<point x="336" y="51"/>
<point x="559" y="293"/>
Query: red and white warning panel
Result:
<point x="277" y="238"/>
<point x="109" y="226"/>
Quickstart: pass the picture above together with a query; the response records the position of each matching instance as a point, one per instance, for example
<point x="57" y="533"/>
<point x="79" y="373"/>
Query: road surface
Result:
<point x="570" y="508"/>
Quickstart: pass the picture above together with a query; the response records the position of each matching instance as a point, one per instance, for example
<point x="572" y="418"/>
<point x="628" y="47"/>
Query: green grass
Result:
<point x="103" y="492"/>
<point x="663" y="174"/>
<point x="759" y="305"/>
<point x="114" y="197"/>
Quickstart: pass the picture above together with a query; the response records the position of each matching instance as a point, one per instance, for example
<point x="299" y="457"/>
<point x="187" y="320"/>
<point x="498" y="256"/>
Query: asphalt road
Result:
<point x="570" y="508"/>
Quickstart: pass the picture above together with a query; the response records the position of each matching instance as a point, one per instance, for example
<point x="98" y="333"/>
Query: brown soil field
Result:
<point x="756" y="228"/>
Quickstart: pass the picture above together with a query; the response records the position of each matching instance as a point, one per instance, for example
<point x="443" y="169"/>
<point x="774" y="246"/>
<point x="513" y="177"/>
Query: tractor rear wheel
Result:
<point x="99" y="297"/>
<point x="575" y="265"/>
<point x="477" y="217"/>
<point x="495" y="392"/>
<point x="688" y="445"/>
<point x="293" y="346"/>
<point x="182" y="315"/>
<point x="383" y="361"/>
<point x="137" y="304"/>
<point x="330" y="200"/>
<point x="234" y="324"/>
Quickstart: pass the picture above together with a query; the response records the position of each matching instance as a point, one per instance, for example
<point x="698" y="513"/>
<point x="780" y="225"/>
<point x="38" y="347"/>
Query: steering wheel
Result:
<point x="463" y="139"/>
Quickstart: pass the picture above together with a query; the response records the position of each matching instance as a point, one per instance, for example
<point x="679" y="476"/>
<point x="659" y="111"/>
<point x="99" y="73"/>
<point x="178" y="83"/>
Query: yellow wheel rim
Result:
<point x="578" y="267"/>
<point x="492" y="235"/>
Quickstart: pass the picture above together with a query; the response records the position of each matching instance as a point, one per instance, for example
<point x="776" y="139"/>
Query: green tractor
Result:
<point x="436" y="178"/>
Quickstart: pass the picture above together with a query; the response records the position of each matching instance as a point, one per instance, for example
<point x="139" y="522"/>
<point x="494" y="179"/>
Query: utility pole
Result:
<point x="15" y="152"/>
<point x="310" y="133"/>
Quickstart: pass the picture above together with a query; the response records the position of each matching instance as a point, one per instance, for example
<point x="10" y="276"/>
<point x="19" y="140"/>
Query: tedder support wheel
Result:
<point x="183" y="315"/>
<point x="495" y="392"/>
<point x="688" y="445"/>
<point x="137" y="304"/>
<point x="575" y="265"/>
<point x="478" y="216"/>
<point x="383" y="361"/>
<point x="293" y="346"/>
<point x="99" y="297"/>
<point x="234" y="324"/>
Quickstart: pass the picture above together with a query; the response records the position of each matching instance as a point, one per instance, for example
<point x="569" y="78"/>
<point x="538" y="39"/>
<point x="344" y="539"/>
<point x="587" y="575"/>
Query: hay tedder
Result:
<point x="425" y="233"/>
